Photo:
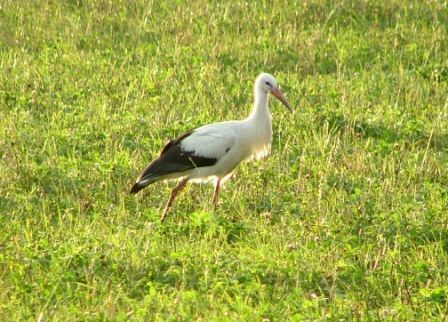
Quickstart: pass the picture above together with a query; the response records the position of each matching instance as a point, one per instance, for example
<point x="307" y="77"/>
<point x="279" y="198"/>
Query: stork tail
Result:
<point x="139" y="185"/>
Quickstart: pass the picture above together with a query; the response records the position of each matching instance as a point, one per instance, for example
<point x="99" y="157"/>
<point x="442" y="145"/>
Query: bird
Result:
<point x="211" y="152"/>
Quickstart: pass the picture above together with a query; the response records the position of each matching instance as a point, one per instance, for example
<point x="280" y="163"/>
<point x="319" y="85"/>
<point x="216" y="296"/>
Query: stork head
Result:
<point x="267" y="83"/>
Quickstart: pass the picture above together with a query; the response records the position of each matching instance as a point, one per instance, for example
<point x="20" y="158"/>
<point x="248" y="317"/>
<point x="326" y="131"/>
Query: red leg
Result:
<point x="173" y="195"/>
<point x="215" y="196"/>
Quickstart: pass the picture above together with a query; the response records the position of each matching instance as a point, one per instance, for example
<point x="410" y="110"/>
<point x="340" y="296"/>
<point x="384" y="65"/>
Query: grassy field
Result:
<point x="346" y="220"/>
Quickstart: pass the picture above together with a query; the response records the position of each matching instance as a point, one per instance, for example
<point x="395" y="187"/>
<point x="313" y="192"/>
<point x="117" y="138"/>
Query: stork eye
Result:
<point x="269" y="84"/>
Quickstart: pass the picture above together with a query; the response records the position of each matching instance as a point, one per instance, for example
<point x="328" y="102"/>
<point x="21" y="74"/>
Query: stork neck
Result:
<point x="261" y="109"/>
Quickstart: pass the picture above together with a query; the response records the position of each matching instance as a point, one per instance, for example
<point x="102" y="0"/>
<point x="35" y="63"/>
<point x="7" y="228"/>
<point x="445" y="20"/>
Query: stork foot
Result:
<point x="173" y="195"/>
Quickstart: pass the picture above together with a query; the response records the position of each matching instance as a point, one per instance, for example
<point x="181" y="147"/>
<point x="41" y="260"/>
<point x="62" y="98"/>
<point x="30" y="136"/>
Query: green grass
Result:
<point x="347" y="218"/>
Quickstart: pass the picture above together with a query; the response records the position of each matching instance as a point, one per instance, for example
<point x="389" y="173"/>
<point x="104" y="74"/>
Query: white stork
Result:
<point x="214" y="150"/>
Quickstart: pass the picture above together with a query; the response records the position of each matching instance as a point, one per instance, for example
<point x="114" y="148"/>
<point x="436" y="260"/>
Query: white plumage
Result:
<point x="214" y="150"/>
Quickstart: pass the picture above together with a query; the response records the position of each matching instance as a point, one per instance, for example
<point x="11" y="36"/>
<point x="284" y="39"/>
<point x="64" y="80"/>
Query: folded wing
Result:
<point x="203" y="147"/>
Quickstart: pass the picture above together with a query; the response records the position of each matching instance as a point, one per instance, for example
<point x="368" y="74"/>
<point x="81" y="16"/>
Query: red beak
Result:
<point x="277" y="93"/>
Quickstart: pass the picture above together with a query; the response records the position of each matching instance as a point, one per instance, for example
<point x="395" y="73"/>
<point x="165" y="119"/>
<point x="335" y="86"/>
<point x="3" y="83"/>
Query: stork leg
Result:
<point x="216" y="194"/>
<point x="173" y="195"/>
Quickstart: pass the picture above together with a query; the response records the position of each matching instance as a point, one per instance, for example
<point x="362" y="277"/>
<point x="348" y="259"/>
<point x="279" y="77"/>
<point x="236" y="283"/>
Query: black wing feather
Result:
<point x="172" y="159"/>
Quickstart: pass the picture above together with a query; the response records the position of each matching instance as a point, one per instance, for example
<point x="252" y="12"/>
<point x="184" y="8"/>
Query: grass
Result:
<point x="347" y="219"/>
